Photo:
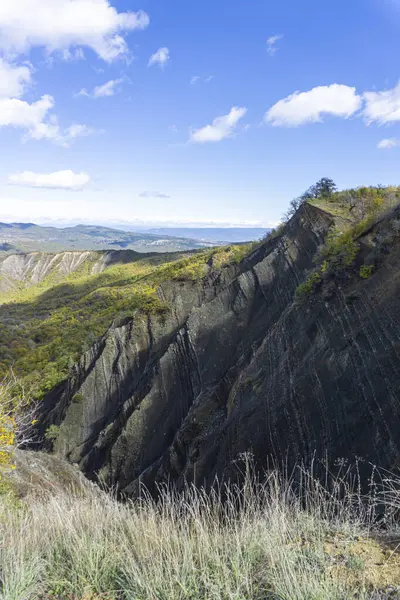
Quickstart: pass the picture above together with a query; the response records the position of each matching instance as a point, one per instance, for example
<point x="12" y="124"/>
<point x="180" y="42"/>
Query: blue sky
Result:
<point x="174" y="111"/>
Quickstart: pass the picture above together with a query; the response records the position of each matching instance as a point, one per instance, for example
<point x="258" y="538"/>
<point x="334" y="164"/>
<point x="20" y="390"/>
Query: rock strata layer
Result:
<point x="238" y="365"/>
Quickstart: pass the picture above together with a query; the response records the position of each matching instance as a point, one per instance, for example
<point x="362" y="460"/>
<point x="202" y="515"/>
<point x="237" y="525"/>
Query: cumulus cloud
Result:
<point x="13" y="79"/>
<point x="61" y="27"/>
<point x="310" y="107"/>
<point x="37" y="121"/>
<point x="271" y="44"/>
<point x="110" y="88"/>
<point x="388" y="143"/>
<point x="221" y="128"/>
<point x="382" y="107"/>
<point x="149" y="194"/>
<point x="58" y="25"/>
<point x="62" y="180"/>
<point x="18" y="113"/>
<point x="160" y="58"/>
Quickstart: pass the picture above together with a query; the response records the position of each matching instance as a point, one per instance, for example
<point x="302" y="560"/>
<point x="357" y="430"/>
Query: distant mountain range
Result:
<point x="29" y="237"/>
<point x="213" y="234"/>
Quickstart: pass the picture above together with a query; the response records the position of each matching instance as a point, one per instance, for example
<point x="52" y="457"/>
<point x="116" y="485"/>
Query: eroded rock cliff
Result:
<point x="24" y="270"/>
<point x="239" y="365"/>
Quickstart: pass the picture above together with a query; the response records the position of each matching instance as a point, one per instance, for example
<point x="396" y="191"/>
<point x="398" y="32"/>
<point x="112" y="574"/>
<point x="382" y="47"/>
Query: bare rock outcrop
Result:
<point x="239" y="365"/>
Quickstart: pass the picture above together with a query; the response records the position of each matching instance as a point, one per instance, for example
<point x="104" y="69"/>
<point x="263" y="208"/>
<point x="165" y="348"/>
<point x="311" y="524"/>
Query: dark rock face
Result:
<point x="239" y="366"/>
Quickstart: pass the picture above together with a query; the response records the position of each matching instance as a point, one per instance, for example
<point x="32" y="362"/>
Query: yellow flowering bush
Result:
<point x="16" y="421"/>
<point x="7" y="439"/>
<point x="8" y="427"/>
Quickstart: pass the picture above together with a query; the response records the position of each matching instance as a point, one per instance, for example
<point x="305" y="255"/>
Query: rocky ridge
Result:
<point x="239" y="365"/>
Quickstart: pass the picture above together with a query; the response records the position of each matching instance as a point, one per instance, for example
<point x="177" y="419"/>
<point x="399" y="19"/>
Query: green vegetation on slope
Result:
<point x="355" y="211"/>
<point x="17" y="418"/>
<point x="45" y="328"/>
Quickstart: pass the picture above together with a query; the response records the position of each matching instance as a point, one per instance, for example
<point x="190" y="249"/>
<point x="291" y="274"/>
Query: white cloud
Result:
<point x="47" y="131"/>
<point x="388" y="143"/>
<point x="271" y="44"/>
<point x="72" y="55"/>
<point x="309" y="107"/>
<point x="61" y="180"/>
<point x="13" y="79"/>
<point x="382" y="107"/>
<point x="148" y="194"/>
<point x="58" y="25"/>
<point x="107" y="89"/>
<point x="198" y="78"/>
<point x="74" y="131"/>
<point x="53" y="132"/>
<point x="110" y="88"/>
<point x="221" y="128"/>
<point x="37" y="121"/>
<point x="161" y="57"/>
<point x="18" y="113"/>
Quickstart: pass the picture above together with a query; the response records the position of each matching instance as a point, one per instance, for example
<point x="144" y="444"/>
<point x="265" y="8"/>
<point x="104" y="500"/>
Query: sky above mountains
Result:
<point x="169" y="111"/>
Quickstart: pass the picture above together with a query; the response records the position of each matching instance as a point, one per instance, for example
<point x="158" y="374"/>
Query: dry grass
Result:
<point x="278" y="540"/>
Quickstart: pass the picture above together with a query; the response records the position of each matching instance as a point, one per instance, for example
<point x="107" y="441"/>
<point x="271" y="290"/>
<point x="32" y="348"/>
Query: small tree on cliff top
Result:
<point x="325" y="187"/>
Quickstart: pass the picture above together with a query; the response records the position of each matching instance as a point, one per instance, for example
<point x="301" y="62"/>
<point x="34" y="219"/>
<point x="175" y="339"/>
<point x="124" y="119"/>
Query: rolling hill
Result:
<point x="28" y="237"/>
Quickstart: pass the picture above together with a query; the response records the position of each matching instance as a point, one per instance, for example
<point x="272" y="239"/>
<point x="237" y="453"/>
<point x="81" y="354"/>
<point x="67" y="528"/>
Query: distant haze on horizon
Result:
<point x="140" y="225"/>
<point x="205" y="233"/>
<point x="32" y="237"/>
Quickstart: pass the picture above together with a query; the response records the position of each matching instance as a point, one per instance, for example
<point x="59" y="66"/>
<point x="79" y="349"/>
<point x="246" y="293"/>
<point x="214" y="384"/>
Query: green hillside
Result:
<point x="44" y="328"/>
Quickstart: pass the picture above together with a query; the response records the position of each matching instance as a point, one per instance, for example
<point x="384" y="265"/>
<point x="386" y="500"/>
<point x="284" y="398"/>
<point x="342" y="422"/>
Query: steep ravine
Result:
<point x="238" y="365"/>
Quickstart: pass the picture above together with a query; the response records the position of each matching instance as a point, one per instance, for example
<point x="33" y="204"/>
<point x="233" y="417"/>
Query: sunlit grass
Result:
<point x="279" y="540"/>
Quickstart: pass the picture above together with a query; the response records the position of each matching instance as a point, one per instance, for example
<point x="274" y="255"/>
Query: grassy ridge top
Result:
<point x="356" y="204"/>
<point x="355" y="211"/>
<point x="45" y="328"/>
